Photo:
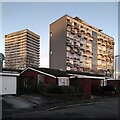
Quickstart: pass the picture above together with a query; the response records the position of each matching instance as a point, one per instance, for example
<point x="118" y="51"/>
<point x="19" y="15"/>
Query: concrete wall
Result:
<point x="8" y="85"/>
<point x="58" y="44"/>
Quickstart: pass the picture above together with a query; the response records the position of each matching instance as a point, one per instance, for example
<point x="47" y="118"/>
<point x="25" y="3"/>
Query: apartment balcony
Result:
<point x="76" y="50"/>
<point x="76" y="26"/>
<point x="99" y="66"/>
<point x="79" y="53"/>
<point x="90" y="55"/>
<point x="68" y="50"/>
<point x="82" y="42"/>
<point x="82" y="48"/>
<point x="77" y="45"/>
<point x="89" y="44"/>
<point x="88" y="61"/>
<point x="86" y="37"/>
<point x="81" y="69"/>
<point x="103" y="59"/>
<point x="88" y="66"/>
<point x="83" y="30"/>
<point x="99" y="42"/>
<point x="76" y="65"/>
<point x="104" y="44"/>
<point x="91" y="39"/>
<point x="113" y="43"/>
<point x="85" y="54"/>
<point x="72" y="51"/>
<point x="99" y="58"/>
<point x="87" y="69"/>
<point x="69" y="44"/>
<point x="76" y="58"/>
<point x="68" y="29"/>
<point x="88" y="50"/>
<point x="108" y="45"/>
<point x="81" y="65"/>
<point x="100" y="37"/>
<point x="72" y="31"/>
<point x="111" y="47"/>
<point x="69" y="64"/>
<point x="89" y="33"/>
<point x="67" y="58"/>
<point x="81" y="60"/>
<point x="79" y="34"/>
<point x="69" y="23"/>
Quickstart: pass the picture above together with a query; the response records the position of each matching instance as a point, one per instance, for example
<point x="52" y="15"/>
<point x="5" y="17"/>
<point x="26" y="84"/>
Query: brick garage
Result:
<point x="112" y="82"/>
<point x="90" y="84"/>
<point x="31" y="77"/>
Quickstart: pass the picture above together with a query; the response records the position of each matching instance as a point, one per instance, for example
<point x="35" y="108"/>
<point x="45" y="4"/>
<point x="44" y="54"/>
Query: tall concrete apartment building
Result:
<point x="78" y="46"/>
<point x="22" y="49"/>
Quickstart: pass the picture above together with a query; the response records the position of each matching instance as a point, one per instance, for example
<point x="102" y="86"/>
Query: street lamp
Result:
<point x="115" y="72"/>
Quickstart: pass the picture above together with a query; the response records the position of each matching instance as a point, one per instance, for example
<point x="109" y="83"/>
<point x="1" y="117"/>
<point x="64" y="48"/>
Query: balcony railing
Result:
<point x="89" y="33"/>
<point x="85" y="37"/>
<point x="85" y="54"/>
<point x="69" y="64"/>
<point x="91" y="39"/>
<point x="69" y="43"/>
<point x="69" y="23"/>
<point x="76" y="26"/>
<point x="76" y="65"/>
<point x="72" y="51"/>
<point x="79" y="34"/>
<point x="72" y="31"/>
<point x="82" y="42"/>
<point x="83" y="30"/>
<point x="81" y="65"/>
<point x="88" y="61"/>
<point x="68" y="29"/>
<point x="76" y="45"/>
<point x="79" y="53"/>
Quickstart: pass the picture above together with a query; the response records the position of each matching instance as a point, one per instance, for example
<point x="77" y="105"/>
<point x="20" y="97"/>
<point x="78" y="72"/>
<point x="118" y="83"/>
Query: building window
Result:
<point x="41" y="78"/>
<point x="63" y="81"/>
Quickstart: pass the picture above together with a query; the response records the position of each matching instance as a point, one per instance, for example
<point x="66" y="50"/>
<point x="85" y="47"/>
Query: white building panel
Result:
<point x="8" y="84"/>
<point x="63" y="81"/>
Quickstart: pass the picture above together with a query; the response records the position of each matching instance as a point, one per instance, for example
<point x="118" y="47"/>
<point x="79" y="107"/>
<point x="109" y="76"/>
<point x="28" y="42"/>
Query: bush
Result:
<point x="54" y="89"/>
<point x="107" y="88"/>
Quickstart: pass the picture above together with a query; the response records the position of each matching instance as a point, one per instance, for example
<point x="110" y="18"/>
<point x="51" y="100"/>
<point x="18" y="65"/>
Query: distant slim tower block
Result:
<point x="22" y="49"/>
<point x="78" y="46"/>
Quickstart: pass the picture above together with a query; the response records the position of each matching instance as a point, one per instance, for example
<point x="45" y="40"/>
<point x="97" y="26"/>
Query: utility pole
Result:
<point x="115" y="74"/>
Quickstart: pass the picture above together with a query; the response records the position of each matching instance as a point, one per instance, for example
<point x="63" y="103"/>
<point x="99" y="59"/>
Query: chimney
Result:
<point x="1" y="61"/>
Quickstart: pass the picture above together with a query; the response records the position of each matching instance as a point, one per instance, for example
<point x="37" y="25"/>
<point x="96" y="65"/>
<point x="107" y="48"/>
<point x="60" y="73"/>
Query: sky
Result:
<point x="37" y="16"/>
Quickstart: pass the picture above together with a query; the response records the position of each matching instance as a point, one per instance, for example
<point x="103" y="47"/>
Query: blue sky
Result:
<point x="37" y="16"/>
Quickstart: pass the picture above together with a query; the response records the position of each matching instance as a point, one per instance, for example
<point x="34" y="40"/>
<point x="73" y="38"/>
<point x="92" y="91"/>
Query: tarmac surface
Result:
<point x="35" y="106"/>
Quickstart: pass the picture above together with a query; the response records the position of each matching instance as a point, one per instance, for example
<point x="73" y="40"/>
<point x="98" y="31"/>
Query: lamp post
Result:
<point x="115" y="73"/>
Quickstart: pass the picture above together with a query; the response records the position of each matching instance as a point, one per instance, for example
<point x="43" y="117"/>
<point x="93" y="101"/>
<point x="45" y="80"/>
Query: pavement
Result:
<point x="37" y="104"/>
<point x="17" y="102"/>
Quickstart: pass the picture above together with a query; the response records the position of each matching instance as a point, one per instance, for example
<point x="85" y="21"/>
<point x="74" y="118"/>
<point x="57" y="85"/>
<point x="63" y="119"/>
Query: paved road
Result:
<point x="107" y="108"/>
